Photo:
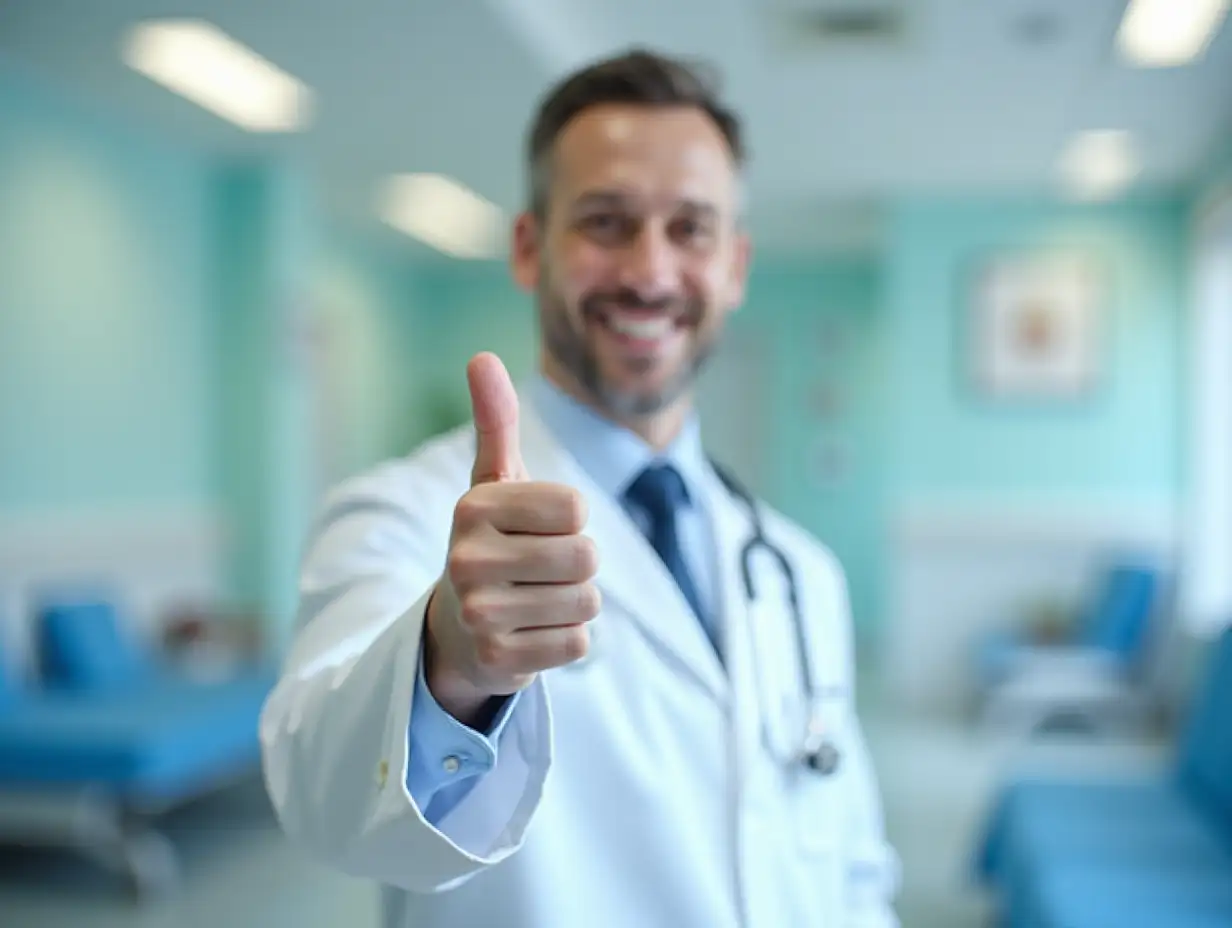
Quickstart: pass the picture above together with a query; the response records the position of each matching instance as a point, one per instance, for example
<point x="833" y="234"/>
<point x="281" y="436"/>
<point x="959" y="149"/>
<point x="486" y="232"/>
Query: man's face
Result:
<point x="638" y="260"/>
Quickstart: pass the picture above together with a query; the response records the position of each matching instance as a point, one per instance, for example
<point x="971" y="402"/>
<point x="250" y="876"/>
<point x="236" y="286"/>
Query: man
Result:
<point x="530" y="687"/>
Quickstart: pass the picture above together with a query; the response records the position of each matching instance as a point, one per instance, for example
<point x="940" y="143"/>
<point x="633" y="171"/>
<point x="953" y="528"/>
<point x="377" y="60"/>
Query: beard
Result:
<point x="569" y="347"/>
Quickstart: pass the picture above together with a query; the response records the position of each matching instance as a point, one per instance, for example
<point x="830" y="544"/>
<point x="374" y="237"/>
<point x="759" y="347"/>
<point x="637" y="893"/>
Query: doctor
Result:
<point x="531" y="687"/>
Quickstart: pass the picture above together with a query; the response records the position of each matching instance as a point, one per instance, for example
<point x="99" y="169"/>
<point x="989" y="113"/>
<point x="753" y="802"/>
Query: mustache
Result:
<point x="683" y="307"/>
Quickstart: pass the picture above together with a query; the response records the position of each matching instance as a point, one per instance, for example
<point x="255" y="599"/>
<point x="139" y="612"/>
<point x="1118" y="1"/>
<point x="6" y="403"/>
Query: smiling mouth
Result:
<point x="638" y="327"/>
<point x="642" y="328"/>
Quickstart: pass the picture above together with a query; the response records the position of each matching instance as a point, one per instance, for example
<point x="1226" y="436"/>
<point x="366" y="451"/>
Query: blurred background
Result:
<point x="246" y="250"/>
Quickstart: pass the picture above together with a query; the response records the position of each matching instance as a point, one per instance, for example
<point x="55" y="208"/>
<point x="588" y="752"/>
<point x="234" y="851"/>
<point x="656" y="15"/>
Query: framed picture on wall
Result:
<point x="1037" y="326"/>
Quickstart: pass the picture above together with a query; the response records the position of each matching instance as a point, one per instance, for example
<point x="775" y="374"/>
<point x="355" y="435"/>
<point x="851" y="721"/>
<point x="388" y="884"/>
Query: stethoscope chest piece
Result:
<point x="825" y="759"/>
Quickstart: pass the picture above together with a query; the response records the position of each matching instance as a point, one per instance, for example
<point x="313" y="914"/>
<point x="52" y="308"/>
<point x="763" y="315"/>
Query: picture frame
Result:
<point x="1036" y="328"/>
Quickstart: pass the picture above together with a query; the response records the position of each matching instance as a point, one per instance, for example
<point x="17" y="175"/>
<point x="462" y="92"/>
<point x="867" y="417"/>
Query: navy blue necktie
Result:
<point x="660" y="491"/>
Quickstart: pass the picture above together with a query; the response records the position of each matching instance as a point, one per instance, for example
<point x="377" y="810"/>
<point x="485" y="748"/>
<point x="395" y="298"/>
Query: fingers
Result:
<point x="490" y="558"/>
<point x="533" y="650"/>
<point x="514" y="508"/>
<point x="494" y="405"/>
<point x="526" y="607"/>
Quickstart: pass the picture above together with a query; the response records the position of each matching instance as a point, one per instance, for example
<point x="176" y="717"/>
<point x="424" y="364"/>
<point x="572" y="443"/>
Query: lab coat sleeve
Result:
<point x="335" y="731"/>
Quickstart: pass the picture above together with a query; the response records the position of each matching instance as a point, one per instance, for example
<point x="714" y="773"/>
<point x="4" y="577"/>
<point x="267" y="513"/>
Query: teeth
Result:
<point x="640" y="328"/>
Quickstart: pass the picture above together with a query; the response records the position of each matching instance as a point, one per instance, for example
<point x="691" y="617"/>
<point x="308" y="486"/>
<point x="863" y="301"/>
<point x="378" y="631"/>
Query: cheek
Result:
<point x="583" y="272"/>
<point x="712" y="285"/>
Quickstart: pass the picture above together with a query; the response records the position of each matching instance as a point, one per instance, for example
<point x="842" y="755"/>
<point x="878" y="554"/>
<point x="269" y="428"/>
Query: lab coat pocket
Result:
<point x="818" y="813"/>
<point x="819" y="841"/>
<point x="820" y="877"/>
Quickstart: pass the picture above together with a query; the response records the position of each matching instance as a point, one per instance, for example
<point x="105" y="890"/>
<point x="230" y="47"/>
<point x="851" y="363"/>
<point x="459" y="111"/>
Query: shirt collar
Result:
<point x="613" y="456"/>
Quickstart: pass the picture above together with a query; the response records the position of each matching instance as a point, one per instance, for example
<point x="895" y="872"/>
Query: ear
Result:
<point x="524" y="256"/>
<point x="738" y="278"/>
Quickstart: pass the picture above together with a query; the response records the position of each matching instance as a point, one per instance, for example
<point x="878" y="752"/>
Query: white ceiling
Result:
<point x="962" y="102"/>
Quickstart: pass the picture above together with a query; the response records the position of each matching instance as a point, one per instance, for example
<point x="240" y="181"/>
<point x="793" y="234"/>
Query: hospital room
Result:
<point x="538" y="463"/>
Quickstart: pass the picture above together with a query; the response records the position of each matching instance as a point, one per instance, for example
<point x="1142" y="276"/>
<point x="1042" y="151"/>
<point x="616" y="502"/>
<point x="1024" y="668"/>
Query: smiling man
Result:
<point x="533" y="684"/>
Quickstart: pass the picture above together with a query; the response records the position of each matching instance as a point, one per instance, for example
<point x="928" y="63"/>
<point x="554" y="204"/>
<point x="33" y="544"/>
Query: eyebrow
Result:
<point x="617" y="198"/>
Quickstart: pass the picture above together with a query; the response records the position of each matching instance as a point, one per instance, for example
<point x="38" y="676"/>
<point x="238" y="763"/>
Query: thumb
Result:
<point x="494" y="405"/>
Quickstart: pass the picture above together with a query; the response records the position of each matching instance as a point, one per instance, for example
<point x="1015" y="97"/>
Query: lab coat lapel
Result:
<point x="631" y="575"/>
<point x="731" y="529"/>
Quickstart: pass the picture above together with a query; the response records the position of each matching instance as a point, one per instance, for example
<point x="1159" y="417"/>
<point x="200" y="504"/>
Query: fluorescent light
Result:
<point x="1168" y="33"/>
<point x="442" y="213"/>
<point x="198" y="61"/>
<point x="1099" y="164"/>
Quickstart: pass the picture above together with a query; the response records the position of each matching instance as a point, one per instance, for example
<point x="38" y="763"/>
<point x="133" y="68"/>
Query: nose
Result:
<point x="651" y="265"/>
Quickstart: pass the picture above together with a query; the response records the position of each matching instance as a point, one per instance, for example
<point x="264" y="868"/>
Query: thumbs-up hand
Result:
<point x="517" y="590"/>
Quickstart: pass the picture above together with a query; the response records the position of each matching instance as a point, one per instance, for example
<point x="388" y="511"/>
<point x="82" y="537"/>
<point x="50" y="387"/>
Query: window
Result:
<point x="1206" y="582"/>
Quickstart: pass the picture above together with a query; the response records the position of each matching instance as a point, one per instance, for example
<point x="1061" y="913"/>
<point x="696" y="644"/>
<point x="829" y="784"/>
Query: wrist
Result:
<point x="452" y="691"/>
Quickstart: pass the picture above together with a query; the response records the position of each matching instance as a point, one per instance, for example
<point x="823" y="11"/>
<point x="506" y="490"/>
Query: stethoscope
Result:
<point x="814" y="751"/>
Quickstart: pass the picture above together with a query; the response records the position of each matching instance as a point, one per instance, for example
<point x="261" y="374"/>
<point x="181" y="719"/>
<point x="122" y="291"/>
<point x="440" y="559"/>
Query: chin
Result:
<point x="643" y="398"/>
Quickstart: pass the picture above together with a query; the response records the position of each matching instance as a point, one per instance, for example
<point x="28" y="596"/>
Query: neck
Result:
<point x="658" y="429"/>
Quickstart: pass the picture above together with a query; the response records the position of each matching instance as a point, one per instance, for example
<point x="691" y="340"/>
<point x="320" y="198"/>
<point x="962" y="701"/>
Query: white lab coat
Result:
<point x="632" y="791"/>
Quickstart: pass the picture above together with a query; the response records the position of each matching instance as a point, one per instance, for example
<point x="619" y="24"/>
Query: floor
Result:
<point x="936" y="777"/>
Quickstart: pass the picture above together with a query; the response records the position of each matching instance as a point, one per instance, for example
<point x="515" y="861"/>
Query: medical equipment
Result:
<point x="816" y="751"/>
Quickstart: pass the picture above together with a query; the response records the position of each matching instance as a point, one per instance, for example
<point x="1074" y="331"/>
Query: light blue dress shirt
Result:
<point x="445" y="755"/>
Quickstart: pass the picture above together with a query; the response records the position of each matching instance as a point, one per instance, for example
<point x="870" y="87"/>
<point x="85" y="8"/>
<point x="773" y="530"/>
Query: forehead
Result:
<point x="652" y="152"/>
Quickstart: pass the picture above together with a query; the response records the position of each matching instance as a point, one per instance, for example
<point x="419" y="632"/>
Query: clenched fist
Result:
<point x="517" y="589"/>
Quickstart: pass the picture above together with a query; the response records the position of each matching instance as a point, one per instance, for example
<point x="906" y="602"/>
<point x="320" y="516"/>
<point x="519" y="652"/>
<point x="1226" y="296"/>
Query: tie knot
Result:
<point x="659" y="489"/>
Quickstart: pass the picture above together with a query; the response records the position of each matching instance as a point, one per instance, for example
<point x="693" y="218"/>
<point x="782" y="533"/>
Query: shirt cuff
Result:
<point x="442" y="751"/>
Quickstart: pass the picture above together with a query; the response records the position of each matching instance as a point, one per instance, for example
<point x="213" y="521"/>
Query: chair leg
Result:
<point x="151" y="866"/>
<point x="143" y="857"/>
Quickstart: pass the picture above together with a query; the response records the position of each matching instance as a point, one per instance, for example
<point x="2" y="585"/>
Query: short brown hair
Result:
<point x="639" y="77"/>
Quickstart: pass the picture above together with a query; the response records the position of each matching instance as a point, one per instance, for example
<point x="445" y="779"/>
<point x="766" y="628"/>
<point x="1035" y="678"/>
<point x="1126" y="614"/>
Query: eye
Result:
<point x="605" y="225"/>
<point x="691" y="229"/>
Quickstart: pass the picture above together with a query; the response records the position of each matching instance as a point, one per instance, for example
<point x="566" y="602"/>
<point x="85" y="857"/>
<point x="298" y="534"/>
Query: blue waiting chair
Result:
<point x="1095" y="677"/>
<point x="109" y="739"/>
<point x="1127" y="853"/>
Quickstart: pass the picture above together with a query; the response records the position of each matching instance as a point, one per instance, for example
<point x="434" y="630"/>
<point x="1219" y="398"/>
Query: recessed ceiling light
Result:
<point x="443" y="214"/>
<point x="1099" y="164"/>
<point x="1168" y="33"/>
<point x="201" y="63"/>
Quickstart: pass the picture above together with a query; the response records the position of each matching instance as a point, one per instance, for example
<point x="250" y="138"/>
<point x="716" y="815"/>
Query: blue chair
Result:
<point x="1133" y="852"/>
<point x="1095" y="677"/>
<point x="116" y="739"/>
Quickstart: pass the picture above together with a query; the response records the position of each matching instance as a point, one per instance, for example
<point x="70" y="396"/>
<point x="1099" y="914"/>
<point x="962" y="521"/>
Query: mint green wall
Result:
<point x="1122" y="443"/>
<point x="153" y="346"/>
<point x="365" y="301"/>
<point x="463" y="308"/>
<point x="265" y="250"/>
<point x="824" y="323"/>
<point x="106" y="386"/>
<point x="368" y="298"/>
